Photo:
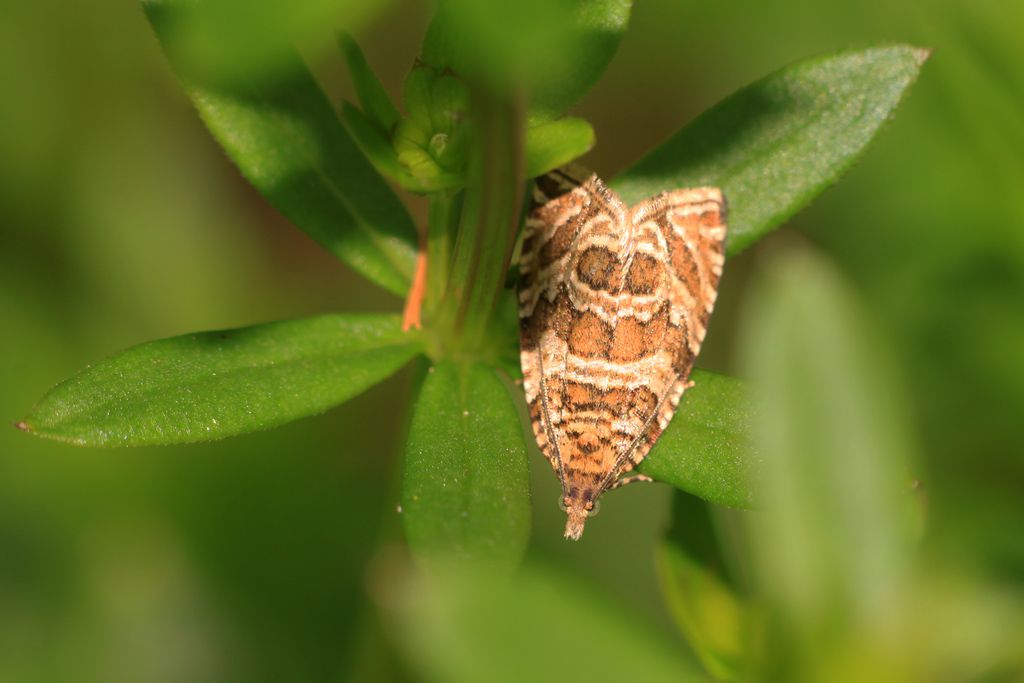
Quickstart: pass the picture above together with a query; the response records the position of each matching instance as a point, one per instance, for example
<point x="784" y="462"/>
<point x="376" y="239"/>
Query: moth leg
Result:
<point x="628" y="480"/>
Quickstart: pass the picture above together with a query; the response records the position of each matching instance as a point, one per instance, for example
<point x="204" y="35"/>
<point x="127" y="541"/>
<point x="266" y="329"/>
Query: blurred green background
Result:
<point x="253" y="558"/>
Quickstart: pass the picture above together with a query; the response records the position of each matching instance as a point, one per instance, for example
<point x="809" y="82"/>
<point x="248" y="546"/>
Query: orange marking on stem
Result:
<point x="414" y="302"/>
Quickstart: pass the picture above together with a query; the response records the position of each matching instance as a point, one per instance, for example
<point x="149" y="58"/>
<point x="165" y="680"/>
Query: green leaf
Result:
<point x="717" y="621"/>
<point x="832" y="550"/>
<point x="494" y="42"/>
<point x="595" y="31"/>
<point x="374" y="99"/>
<point x="289" y="143"/>
<point x="540" y="626"/>
<point x="778" y="143"/>
<point x="209" y="385"/>
<point x="561" y="47"/>
<point x="375" y="144"/>
<point x="551" y="145"/>
<point x="706" y="449"/>
<point x="228" y="39"/>
<point x="466" y="486"/>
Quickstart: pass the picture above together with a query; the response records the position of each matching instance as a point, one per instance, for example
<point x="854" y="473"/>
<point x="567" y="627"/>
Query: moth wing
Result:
<point x="561" y="205"/>
<point x="672" y="281"/>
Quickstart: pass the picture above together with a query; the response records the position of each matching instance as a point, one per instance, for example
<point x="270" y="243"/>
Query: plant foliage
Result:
<point x="772" y="147"/>
<point x="484" y="112"/>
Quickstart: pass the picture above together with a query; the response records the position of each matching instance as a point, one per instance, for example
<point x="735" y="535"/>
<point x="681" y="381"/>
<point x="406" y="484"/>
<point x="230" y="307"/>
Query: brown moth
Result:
<point x="613" y="306"/>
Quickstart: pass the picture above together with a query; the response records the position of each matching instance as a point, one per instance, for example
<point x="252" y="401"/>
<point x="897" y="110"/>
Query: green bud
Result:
<point x="431" y="143"/>
<point x="417" y="91"/>
<point x="450" y="102"/>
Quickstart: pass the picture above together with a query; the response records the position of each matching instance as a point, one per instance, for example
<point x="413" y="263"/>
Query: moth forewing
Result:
<point x="614" y="304"/>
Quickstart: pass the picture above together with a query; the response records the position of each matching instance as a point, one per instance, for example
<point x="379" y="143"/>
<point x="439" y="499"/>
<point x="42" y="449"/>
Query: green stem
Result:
<point x="442" y="228"/>
<point x="490" y="218"/>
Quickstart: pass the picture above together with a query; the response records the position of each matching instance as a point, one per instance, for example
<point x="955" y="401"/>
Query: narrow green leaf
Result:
<point x="498" y="41"/>
<point x="540" y="626"/>
<point x="595" y="31"/>
<point x="561" y="47"/>
<point x="717" y="621"/>
<point x="239" y="38"/>
<point x="375" y="100"/>
<point x="551" y="145"/>
<point x="778" y="143"/>
<point x="209" y="385"/>
<point x="289" y="143"/>
<point x="832" y="549"/>
<point x="706" y="449"/>
<point x="375" y="145"/>
<point x="504" y="333"/>
<point x="466" y="486"/>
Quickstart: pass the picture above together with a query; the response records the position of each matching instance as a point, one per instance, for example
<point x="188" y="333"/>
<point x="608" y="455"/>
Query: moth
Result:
<point x="614" y="303"/>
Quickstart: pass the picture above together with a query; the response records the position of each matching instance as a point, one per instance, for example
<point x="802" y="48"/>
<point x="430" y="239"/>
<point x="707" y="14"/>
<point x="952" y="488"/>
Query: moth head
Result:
<point x="578" y="508"/>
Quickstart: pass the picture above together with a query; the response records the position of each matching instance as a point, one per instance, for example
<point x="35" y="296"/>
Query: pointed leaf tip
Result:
<point x="778" y="143"/>
<point x="204" y="386"/>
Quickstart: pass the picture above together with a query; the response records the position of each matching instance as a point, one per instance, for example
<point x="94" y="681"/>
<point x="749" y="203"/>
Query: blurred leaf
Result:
<point x="832" y="551"/>
<point x="541" y="626"/>
<point x="561" y="46"/>
<point x="597" y="26"/>
<point x="229" y="39"/>
<point x="551" y="145"/>
<point x="209" y="385"/>
<point x="496" y="41"/>
<point x="375" y="144"/>
<point x="505" y="332"/>
<point x="715" y="619"/>
<point x="706" y="449"/>
<point x="289" y="143"/>
<point x="466" y="486"/>
<point x="778" y="143"/>
<point x="374" y="99"/>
